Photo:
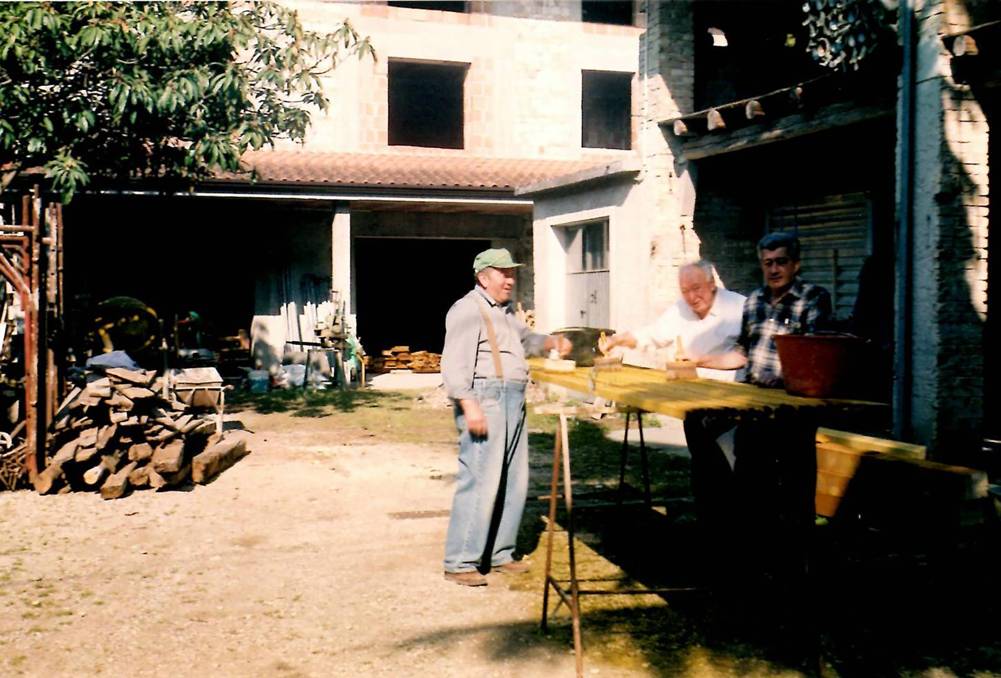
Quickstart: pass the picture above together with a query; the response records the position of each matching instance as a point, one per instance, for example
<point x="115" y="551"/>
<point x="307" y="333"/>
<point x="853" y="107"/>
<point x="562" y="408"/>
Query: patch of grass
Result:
<point x="359" y="416"/>
<point x="18" y="661"/>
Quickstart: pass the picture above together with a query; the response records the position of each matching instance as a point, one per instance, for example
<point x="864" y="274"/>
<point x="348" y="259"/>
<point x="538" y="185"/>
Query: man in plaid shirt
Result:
<point x="772" y="491"/>
<point x="785" y="304"/>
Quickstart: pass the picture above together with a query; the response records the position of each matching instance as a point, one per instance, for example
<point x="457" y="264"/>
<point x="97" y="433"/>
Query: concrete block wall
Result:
<point x="950" y="245"/>
<point x="522" y="89"/>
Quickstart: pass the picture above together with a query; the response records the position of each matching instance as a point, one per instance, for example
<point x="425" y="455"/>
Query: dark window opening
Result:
<point x="426" y="4"/>
<point x="607" y="12"/>
<point x="606" y="104"/>
<point x="425" y="104"/>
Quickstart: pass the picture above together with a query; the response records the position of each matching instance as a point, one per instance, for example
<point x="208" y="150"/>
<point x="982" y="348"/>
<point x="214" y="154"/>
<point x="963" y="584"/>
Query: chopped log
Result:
<point x="88" y="437"/>
<point x="120" y="402"/>
<point x="140" y="452"/>
<point x="61" y="419"/>
<point x="154" y="479"/>
<point x="175" y="479"/>
<point x="169" y="458"/>
<point x="83" y="422"/>
<point x="95" y="474"/>
<point x="103" y="382"/>
<point x="85" y="454"/>
<point x="139" y="378"/>
<point x="97" y="391"/>
<point x="119" y="418"/>
<point x="105" y="435"/>
<point x="140" y="476"/>
<point x="136" y="392"/>
<point x="178" y="406"/>
<point x="399" y="349"/>
<point x="217" y="459"/>
<point x="163" y="436"/>
<point x="182" y="421"/>
<point x="205" y="427"/>
<point x="116" y="485"/>
<point x="66" y="452"/>
<point x="50" y="478"/>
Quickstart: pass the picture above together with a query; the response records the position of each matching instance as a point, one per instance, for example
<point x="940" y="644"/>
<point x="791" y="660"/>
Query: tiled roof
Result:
<point x="407" y="170"/>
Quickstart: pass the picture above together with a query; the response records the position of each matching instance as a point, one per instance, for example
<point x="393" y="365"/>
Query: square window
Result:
<point x="429" y="4"/>
<point x="607" y="12"/>
<point x="425" y="104"/>
<point x="606" y="110"/>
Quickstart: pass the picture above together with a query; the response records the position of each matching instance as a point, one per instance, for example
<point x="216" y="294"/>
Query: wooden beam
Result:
<point x="217" y="459"/>
<point x="788" y="127"/>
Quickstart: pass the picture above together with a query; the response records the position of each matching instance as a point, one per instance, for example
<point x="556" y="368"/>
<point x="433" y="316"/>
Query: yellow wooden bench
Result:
<point x="840" y="452"/>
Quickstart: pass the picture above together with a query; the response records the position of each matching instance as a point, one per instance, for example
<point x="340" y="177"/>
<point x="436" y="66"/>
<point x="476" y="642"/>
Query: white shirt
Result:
<point x="714" y="334"/>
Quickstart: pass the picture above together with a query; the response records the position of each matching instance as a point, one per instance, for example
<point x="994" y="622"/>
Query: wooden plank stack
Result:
<point x="118" y="433"/>
<point x="402" y="358"/>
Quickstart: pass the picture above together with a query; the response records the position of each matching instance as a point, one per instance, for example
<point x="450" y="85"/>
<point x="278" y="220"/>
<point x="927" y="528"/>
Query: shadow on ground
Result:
<point x="310" y="403"/>
<point x="883" y="598"/>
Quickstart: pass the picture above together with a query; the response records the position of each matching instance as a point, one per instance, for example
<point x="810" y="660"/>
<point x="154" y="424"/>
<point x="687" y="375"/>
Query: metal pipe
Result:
<point x="904" y="320"/>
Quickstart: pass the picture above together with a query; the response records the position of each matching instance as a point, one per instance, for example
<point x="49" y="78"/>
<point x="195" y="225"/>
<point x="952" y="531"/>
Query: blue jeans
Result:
<point x="492" y="482"/>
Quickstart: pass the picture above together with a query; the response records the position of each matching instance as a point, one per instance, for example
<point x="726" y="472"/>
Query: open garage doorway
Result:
<point x="198" y="264"/>
<point x="405" y="286"/>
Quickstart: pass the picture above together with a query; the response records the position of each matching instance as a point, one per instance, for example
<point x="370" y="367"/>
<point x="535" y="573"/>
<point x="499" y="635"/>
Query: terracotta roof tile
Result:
<point x="408" y="170"/>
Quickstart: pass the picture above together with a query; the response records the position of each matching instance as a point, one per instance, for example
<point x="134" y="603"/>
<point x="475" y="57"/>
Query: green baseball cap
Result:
<point x="497" y="257"/>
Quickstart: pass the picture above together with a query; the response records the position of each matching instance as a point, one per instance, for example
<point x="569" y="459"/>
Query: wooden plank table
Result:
<point x="650" y="391"/>
<point x="792" y="450"/>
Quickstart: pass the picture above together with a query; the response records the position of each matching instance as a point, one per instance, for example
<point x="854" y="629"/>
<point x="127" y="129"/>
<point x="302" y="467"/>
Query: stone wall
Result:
<point x="950" y="245"/>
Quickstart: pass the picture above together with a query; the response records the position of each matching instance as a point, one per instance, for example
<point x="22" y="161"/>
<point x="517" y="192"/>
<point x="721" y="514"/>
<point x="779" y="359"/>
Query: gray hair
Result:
<point x="777" y="239"/>
<point x="703" y="265"/>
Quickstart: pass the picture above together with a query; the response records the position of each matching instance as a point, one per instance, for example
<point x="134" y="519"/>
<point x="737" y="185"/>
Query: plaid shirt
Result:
<point x="804" y="309"/>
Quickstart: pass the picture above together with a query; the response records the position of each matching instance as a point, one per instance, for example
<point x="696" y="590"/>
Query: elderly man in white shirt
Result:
<point x="706" y="321"/>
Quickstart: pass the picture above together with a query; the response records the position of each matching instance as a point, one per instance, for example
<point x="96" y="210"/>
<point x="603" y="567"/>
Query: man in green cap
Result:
<point x="485" y="373"/>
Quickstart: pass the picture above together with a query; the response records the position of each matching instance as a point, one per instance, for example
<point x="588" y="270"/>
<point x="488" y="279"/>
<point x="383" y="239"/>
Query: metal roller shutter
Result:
<point x="834" y="233"/>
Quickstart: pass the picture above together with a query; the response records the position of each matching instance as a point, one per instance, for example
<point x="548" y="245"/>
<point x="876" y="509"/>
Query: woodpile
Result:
<point x="402" y="358"/>
<point x="118" y="433"/>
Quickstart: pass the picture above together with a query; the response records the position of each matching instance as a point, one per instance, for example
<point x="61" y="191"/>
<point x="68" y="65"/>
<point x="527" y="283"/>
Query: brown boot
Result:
<point x="471" y="578"/>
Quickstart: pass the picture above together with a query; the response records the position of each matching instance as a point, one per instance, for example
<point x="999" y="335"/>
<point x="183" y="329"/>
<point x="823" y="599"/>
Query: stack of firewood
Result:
<point x="402" y="358"/>
<point x="118" y="432"/>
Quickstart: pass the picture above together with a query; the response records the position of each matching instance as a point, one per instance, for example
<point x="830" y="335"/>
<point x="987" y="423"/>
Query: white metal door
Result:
<point x="587" y="275"/>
